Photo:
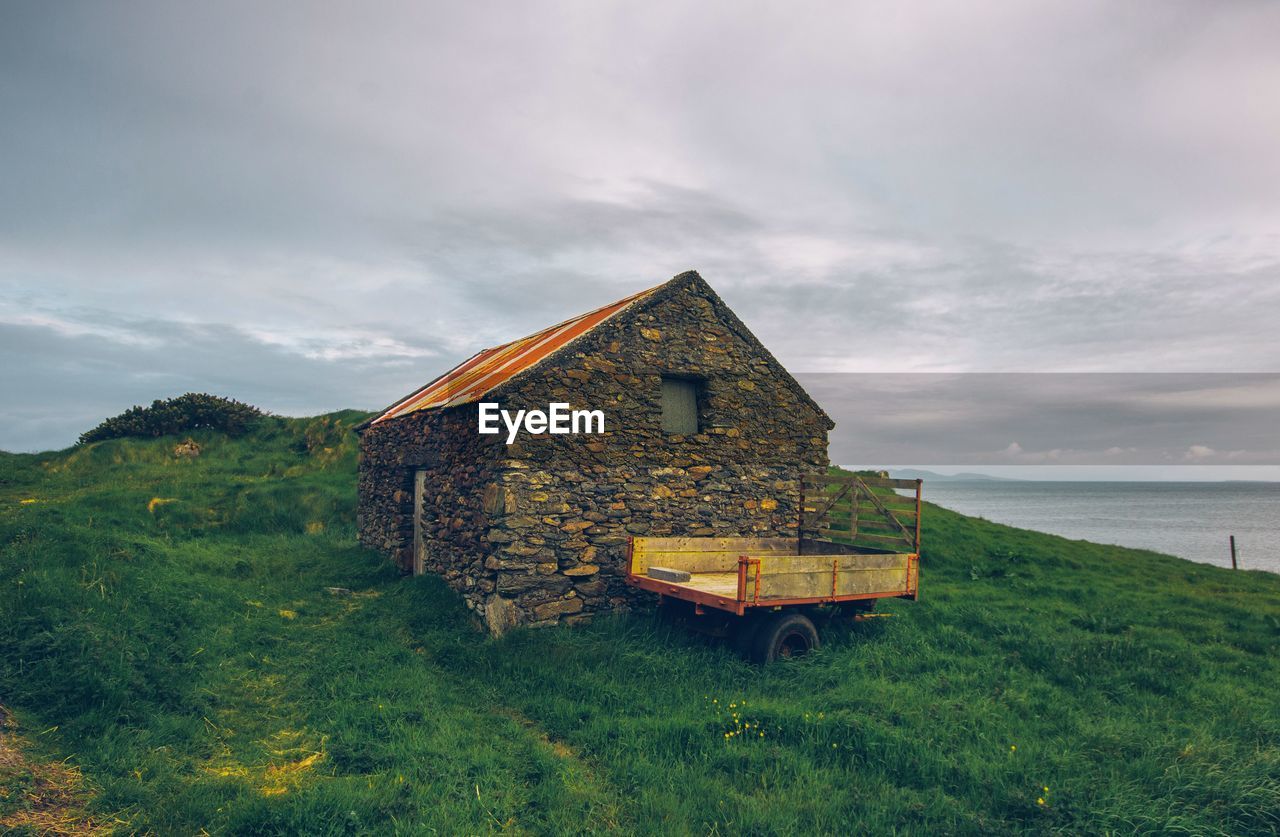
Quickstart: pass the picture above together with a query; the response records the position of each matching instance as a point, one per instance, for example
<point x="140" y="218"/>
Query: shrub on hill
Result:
<point x="193" y="411"/>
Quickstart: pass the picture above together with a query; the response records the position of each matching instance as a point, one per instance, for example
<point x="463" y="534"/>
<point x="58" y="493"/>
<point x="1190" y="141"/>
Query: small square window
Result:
<point x="680" y="405"/>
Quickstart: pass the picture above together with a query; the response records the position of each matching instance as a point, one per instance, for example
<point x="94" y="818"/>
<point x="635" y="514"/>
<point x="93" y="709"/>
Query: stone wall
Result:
<point x="544" y="522"/>
<point x="458" y="465"/>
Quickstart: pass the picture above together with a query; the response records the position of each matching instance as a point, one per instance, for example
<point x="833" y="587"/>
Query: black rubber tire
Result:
<point x="783" y="636"/>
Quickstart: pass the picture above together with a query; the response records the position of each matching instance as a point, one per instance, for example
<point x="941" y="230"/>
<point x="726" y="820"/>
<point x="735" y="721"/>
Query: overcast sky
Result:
<point x="316" y="206"/>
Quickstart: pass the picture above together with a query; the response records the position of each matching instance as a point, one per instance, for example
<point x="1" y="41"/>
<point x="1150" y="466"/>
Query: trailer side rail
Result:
<point x="735" y="574"/>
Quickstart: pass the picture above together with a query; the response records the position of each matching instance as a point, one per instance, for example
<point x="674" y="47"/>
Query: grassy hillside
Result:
<point x="165" y="626"/>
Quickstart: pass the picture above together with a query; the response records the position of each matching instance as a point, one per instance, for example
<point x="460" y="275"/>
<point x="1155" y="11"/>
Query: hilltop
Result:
<point x="203" y="642"/>
<point x="963" y="476"/>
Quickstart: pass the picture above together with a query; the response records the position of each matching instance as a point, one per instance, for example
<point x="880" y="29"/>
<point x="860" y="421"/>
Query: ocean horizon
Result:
<point x="1192" y="520"/>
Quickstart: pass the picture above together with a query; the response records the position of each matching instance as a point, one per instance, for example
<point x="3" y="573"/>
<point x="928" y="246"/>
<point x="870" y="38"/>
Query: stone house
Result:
<point x="705" y="434"/>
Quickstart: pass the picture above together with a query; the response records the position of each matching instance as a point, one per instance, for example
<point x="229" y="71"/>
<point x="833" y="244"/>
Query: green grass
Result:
<point x="186" y="655"/>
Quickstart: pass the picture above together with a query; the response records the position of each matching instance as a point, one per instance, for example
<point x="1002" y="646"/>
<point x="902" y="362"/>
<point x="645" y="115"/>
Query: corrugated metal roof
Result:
<point x="485" y="370"/>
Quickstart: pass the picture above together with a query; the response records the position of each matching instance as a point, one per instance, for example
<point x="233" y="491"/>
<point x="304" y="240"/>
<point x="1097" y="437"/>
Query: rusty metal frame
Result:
<point x="742" y="601"/>
<point x="745" y="600"/>
<point x="919" y="483"/>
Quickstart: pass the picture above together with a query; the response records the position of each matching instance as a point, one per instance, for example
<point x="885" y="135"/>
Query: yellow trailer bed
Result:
<point x="765" y="593"/>
<point x="737" y="574"/>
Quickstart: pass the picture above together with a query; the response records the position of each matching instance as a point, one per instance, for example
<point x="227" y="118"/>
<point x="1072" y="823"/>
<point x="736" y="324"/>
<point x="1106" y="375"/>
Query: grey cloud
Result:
<point x="70" y="381"/>
<point x="338" y="188"/>
<point x="1051" y="418"/>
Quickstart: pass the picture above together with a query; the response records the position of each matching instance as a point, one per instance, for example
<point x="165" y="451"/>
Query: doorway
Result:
<point x="419" y="504"/>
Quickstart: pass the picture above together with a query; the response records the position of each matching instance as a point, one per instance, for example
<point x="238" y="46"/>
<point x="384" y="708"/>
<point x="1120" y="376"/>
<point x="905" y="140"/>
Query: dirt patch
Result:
<point x="40" y="797"/>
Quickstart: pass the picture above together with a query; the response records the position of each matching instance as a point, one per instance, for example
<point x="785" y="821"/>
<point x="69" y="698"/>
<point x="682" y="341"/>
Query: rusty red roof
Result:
<point x="485" y="370"/>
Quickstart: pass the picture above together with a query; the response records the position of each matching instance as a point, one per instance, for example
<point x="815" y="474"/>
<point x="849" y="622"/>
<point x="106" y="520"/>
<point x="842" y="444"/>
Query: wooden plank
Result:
<point x="883" y="525"/>
<point x="884" y="521"/>
<point x="853" y="520"/>
<point x="842" y="520"/>
<point x="716" y="584"/>
<point x="893" y="523"/>
<point x="822" y="576"/>
<point x="890" y="517"/>
<point x="743" y="545"/>
<point x="825" y="479"/>
<point x="835" y="498"/>
<point x="784" y="564"/>
<point x="915" y="544"/>
<point x="639" y="558"/>
<point x="718" y="590"/>
<point x="842" y="535"/>
<point x="883" y="528"/>
<point x="845" y="525"/>
<point x="706" y="555"/>
<point x="885" y="513"/>
<point x="874" y="482"/>
<point x="898" y="511"/>
<point x="697" y="562"/>
<point x="906" y="504"/>
<point x="899" y="503"/>
<point x="881" y="482"/>
<point x="894" y="539"/>
<point x="819" y="585"/>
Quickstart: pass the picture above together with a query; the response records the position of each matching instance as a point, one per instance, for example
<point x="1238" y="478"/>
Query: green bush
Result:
<point x="193" y="411"/>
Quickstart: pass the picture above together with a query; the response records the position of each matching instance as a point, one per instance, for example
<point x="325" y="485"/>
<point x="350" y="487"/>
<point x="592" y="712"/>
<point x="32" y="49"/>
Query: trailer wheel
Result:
<point x="783" y="636"/>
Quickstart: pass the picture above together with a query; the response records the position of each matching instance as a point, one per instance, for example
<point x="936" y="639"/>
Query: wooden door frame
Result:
<point x="419" y="542"/>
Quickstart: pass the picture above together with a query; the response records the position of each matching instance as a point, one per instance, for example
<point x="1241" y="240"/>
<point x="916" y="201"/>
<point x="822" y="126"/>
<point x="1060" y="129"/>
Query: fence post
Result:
<point x="1233" y="553"/>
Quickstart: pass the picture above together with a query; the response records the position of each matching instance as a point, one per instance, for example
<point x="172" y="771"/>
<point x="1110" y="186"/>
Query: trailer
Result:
<point x="858" y="541"/>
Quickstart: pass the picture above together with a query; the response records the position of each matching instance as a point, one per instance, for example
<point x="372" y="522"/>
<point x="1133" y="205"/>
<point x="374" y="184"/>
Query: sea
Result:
<point x="1189" y="519"/>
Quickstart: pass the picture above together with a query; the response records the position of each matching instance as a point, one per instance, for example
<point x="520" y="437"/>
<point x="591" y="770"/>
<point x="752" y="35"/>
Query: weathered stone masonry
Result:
<point x="536" y="532"/>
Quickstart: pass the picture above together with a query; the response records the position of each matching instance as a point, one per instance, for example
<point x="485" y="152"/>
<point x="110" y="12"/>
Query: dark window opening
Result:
<point x="680" y="401"/>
